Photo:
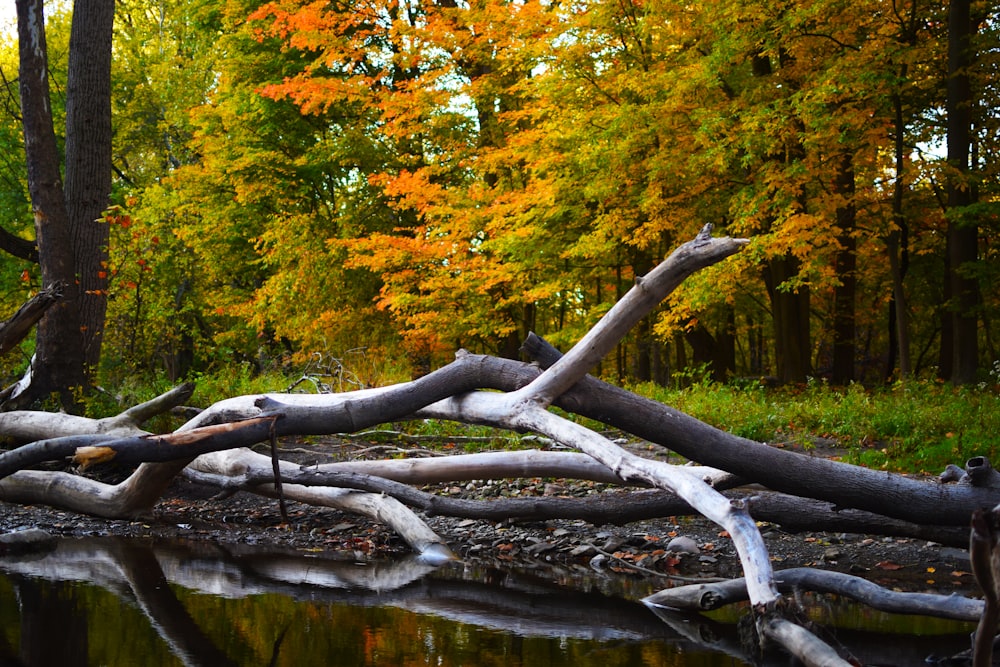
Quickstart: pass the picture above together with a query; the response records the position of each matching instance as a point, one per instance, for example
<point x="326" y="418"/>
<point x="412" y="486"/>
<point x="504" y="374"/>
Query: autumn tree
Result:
<point x="456" y="175"/>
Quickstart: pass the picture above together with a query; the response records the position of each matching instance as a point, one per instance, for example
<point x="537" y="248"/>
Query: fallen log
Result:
<point x="715" y="595"/>
<point x="842" y="484"/>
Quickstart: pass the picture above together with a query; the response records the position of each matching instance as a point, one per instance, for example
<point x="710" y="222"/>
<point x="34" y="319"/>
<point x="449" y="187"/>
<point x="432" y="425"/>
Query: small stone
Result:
<point x="559" y="532"/>
<point x="583" y="550"/>
<point x="612" y="543"/>
<point x="465" y="523"/>
<point x="832" y="554"/>
<point x="684" y="545"/>
<point x="598" y="561"/>
<point x="954" y="553"/>
<point x="540" y="548"/>
<point x="30" y="539"/>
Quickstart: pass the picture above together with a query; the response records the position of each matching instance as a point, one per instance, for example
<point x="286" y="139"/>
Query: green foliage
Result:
<point x="294" y="177"/>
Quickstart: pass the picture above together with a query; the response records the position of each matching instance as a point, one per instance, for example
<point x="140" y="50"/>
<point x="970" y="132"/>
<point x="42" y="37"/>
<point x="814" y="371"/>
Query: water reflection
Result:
<point x="107" y="601"/>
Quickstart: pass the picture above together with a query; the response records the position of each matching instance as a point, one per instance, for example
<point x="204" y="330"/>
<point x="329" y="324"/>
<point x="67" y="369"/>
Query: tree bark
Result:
<point x="58" y="364"/>
<point x="898" y="249"/>
<point x="790" y="314"/>
<point x="963" y="232"/>
<point x="846" y="264"/>
<point x="88" y="162"/>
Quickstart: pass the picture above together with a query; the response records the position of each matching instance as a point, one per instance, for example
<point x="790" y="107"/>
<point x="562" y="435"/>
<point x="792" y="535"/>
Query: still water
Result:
<point x="108" y="601"/>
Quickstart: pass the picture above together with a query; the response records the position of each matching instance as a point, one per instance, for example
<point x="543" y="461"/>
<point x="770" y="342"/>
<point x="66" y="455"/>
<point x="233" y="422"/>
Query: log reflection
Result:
<point x="165" y="581"/>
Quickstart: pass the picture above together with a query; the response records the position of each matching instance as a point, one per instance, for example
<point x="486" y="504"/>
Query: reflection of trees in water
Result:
<point x="53" y="623"/>
<point x="212" y="605"/>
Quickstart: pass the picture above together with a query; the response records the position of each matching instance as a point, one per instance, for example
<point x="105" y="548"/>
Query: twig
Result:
<point x="276" y="467"/>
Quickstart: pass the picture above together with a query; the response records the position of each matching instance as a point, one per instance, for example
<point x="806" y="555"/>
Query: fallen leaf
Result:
<point x="888" y="565"/>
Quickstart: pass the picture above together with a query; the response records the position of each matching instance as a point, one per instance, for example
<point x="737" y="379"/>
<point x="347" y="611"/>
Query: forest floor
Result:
<point x="637" y="553"/>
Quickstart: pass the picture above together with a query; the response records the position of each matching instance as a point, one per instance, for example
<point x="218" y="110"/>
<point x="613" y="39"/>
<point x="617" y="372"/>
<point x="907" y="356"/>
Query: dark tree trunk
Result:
<point x="844" y="296"/>
<point x="58" y="365"/>
<point x="71" y="241"/>
<point x="898" y="248"/>
<point x="718" y="351"/>
<point x="790" y="313"/>
<point x="88" y="160"/>
<point x="963" y="233"/>
<point x="789" y="307"/>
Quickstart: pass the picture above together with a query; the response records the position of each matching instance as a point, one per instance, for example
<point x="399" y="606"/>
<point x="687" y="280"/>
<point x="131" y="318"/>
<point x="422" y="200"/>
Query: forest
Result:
<point x="387" y="181"/>
<point x="618" y="191"/>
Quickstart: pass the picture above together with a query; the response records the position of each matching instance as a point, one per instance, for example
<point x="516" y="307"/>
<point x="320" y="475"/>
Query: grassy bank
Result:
<point x="916" y="426"/>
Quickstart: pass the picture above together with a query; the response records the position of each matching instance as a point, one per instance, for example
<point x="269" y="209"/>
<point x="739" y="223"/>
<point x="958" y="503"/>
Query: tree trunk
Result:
<point x="71" y="239"/>
<point x="58" y="364"/>
<point x="898" y="249"/>
<point x="963" y="232"/>
<point x="790" y="314"/>
<point x="844" y="485"/>
<point x="789" y="306"/>
<point x="844" y="295"/>
<point x="88" y="162"/>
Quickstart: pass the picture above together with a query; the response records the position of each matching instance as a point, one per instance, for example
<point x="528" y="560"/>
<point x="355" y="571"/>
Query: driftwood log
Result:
<point x="214" y="447"/>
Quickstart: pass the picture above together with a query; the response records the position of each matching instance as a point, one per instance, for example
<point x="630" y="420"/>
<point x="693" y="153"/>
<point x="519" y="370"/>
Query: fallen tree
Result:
<point x="213" y="447"/>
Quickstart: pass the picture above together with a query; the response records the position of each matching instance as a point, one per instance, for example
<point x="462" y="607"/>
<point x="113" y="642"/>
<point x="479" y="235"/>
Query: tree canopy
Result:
<point x="413" y="177"/>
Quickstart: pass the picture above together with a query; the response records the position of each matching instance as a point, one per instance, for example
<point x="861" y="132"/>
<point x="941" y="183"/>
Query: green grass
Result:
<point x="911" y="427"/>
